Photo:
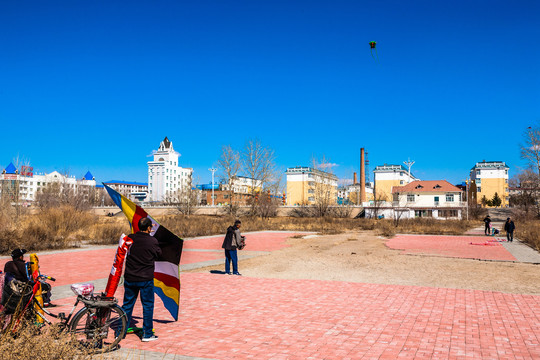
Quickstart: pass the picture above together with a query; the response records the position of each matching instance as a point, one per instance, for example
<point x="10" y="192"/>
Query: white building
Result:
<point x="23" y="185"/>
<point x="432" y="198"/>
<point x="130" y="189"/>
<point x="167" y="180"/>
<point x="244" y="185"/>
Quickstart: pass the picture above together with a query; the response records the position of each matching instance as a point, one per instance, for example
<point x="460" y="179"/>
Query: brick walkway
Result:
<point x="227" y="317"/>
<point x="231" y="317"/>
<point x="468" y="247"/>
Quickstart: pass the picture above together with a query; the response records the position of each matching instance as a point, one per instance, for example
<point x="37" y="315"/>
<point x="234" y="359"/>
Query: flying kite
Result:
<point x="372" y="45"/>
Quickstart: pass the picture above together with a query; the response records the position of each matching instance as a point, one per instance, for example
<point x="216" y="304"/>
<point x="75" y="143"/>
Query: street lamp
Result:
<point x="213" y="170"/>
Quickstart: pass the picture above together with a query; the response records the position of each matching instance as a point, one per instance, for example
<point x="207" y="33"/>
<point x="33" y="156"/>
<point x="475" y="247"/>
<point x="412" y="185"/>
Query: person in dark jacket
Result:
<point x="487" y="222"/>
<point x="16" y="268"/>
<point x="509" y="227"/>
<point x="231" y="242"/>
<point x="139" y="276"/>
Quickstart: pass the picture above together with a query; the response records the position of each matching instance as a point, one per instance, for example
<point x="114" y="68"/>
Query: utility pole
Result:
<point x="409" y="164"/>
<point x="213" y="170"/>
<point x="467" y="196"/>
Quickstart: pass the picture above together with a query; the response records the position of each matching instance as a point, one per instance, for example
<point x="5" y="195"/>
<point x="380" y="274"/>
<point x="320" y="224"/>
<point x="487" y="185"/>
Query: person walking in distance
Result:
<point x="509" y="227"/>
<point x="232" y="241"/>
<point x="487" y="222"/>
<point x="139" y="276"/>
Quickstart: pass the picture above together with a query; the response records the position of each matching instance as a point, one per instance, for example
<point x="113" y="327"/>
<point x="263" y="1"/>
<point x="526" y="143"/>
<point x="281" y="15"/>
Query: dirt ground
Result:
<point x="361" y="256"/>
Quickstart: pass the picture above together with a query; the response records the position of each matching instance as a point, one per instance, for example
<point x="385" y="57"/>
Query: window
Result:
<point x="311" y="198"/>
<point x="401" y="182"/>
<point x="436" y="200"/>
<point x="410" y="198"/>
<point x="479" y="189"/>
<point x="448" y="213"/>
<point x="477" y="172"/>
<point x="422" y="213"/>
<point x="449" y="197"/>
<point x="311" y="191"/>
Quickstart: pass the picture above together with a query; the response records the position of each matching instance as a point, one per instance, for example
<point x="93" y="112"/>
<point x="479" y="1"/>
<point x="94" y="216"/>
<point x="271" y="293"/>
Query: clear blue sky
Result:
<point x="96" y="85"/>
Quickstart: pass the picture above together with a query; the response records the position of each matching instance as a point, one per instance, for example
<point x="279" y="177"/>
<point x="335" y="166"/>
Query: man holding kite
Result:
<point x="139" y="276"/>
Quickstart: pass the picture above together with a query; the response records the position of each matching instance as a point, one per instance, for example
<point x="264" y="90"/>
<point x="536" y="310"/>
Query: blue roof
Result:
<point x="10" y="169"/>
<point x="88" y="176"/>
<point x="125" y="182"/>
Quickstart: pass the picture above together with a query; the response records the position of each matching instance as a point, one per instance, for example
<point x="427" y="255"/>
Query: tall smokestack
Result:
<point x="355" y="180"/>
<point x="362" y="176"/>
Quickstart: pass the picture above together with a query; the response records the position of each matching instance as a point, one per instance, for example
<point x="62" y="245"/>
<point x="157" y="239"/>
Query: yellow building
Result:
<point x="387" y="176"/>
<point x="309" y="186"/>
<point x="491" y="177"/>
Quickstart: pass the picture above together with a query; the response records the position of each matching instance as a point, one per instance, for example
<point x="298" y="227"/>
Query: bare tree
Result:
<point x="229" y="165"/>
<point x="527" y="183"/>
<point x="258" y="163"/>
<point x="322" y="187"/>
<point x="530" y="149"/>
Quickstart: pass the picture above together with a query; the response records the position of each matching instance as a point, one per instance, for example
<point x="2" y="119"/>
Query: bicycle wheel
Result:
<point x="99" y="330"/>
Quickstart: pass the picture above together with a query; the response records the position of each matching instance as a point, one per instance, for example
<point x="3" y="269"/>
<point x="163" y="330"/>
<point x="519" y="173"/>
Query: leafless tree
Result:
<point x="323" y="187"/>
<point x="527" y="183"/>
<point x="530" y="149"/>
<point x="229" y="165"/>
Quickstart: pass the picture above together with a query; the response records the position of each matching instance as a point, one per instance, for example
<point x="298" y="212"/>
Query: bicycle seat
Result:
<point x="84" y="290"/>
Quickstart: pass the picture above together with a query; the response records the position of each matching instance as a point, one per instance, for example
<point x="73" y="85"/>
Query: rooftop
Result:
<point x="490" y="165"/>
<point x="426" y="186"/>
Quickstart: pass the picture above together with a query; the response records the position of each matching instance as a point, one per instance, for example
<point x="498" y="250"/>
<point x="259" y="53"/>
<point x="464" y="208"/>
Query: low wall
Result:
<point x="202" y="210"/>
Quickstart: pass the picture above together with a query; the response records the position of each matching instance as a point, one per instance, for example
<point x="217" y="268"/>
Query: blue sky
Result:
<point x="96" y="85"/>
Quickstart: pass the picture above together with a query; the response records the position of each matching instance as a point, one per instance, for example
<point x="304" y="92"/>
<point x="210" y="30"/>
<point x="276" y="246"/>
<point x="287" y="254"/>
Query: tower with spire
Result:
<point x="167" y="180"/>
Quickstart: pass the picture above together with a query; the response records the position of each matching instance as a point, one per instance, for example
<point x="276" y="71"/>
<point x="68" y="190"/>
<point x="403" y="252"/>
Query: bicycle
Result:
<point x="98" y="327"/>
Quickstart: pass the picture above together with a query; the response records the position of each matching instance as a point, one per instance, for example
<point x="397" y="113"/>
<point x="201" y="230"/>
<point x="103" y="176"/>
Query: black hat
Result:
<point x="18" y="253"/>
<point x="507" y="219"/>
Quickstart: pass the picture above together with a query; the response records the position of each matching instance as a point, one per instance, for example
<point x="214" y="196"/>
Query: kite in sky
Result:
<point x="373" y="46"/>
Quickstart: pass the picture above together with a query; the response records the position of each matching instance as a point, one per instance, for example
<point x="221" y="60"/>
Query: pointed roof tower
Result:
<point x="88" y="176"/>
<point x="11" y="169"/>
<point x="166" y="145"/>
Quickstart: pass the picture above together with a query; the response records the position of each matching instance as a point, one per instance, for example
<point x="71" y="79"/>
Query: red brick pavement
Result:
<point x="229" y="317"/>
<point x="260" y="241"/>
<point x="451" y="246"/>
<point x="84" y="266"/>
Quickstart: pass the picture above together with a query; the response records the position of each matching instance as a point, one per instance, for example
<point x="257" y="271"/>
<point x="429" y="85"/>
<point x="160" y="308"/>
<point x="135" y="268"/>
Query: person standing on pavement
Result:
<point x="139" y="276"/>
<point x="487" y="222"/>
<point x="231" y="243"/>
<point x="509" y="227"/>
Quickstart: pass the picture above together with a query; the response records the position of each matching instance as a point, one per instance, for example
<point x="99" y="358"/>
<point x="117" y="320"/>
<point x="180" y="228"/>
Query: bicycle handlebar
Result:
<point x="47" y="277"/>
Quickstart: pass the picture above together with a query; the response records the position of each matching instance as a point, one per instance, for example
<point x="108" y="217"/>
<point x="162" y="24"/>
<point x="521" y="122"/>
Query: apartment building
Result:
<point x="22" y="185"/>
<point x="387" y="176"/>
<point x="491" y="177"/>
<point x="306" y="186"/>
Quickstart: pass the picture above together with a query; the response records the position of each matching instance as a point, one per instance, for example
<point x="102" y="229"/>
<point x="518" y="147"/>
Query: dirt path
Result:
<point x="362" y="257"/>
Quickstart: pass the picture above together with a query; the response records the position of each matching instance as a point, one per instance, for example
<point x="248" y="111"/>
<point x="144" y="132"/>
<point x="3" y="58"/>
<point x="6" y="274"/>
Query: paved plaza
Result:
<point x="232" y="317"/>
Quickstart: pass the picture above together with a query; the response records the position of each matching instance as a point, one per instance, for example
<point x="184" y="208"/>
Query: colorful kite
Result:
<point x="167" y="268"/>
<point x="373" y="47"/>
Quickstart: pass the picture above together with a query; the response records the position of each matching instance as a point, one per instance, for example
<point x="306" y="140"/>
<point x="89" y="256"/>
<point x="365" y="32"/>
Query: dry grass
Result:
<point x="48" y="343"/>
<point x="190" y="226"/>
<point x="65" y="227"/>
<point x="529" y="232"/>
